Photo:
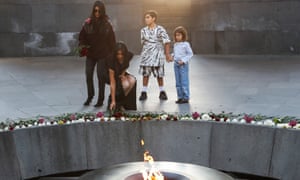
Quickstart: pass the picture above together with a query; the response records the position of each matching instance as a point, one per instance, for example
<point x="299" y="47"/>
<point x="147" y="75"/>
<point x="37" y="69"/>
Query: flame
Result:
<point x="142" y="142"/>
<point x="148" y="157"/>
<point x="150" y="173"/>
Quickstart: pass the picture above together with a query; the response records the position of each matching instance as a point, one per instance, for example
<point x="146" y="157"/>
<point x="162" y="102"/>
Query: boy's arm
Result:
<point x="167" y="52"/>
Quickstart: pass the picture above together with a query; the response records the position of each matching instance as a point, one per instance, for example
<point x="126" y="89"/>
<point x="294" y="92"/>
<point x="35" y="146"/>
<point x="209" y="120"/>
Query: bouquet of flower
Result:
<point x="82" y="50"/>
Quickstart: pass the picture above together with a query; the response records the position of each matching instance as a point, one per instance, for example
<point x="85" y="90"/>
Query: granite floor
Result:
<point x="261" y="84"/>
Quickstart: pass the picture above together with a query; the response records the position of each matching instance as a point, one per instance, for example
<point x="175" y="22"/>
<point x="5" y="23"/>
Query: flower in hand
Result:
<point x="82" y="50"/>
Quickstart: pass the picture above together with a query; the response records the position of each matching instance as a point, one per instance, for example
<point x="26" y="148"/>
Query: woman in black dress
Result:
<point x="122" y="84"/>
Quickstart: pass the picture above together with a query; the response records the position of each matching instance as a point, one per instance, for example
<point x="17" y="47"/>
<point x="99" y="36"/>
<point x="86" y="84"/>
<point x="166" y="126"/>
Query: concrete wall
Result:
<point x="251" y="149"/>
<point x="50" y="27"/>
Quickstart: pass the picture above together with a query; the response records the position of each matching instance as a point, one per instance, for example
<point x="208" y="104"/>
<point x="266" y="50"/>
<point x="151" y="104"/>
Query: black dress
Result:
<point x="129" y="101"/>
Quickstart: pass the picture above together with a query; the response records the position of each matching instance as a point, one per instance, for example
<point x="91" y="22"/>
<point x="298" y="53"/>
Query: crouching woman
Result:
<point x="122" y="83"/>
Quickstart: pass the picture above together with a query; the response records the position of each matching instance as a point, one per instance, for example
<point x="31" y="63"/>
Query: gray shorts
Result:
<point x="157" y="71"/>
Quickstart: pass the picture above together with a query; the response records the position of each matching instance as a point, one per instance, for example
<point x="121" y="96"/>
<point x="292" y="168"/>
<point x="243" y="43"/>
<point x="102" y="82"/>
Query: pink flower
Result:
<point x="248" y="119"/>
<point x="72" y="117"/>
<point x="293" y="123"/>
<point x="195" y="115"/>
<point x="88" y="20"/>
<point x="99" y="114"/>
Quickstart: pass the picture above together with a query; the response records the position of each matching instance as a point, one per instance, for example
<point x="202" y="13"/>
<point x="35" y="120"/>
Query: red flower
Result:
<point x="248" y="119"/>
<point x="293" y="123"/>
<point x="118" y="115"/>
<point x="41" y="120"/>
<point x="99" y="114"/>
<point x="195" y="115"/>
<point x="11" y="127"/>
<point x="84" y="52"/>
<point x="168" y="118"/>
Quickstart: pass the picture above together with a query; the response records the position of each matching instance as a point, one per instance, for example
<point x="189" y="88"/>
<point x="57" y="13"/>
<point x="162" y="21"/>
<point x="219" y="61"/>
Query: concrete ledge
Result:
<point x="257" y="150"/>
<point x="9" y="166"/>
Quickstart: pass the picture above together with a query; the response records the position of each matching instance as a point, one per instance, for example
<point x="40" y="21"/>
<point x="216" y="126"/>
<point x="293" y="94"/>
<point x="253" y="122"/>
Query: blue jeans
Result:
<point x="182" y="81"/>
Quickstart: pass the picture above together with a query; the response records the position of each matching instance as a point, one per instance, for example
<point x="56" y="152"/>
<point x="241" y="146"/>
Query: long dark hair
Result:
<point x="101" y="7"/>
<point x="99" y="24"/>
<point x="120" y="46"/>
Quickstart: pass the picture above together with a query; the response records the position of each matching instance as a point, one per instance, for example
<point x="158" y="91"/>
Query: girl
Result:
<point x="155" y="41"/>
<point x="182" y="54"/>
<point x="122" y="84"/>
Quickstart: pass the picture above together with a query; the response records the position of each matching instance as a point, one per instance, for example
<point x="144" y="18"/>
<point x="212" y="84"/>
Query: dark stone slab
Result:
<point x="12" y="44"/>
<point x="112" y="143"/>
<point x="241" y="148"/>
<point x="182" y="141"/>
<point x="9" y="166"/>
<point x="285" y="156"/>
<point x="51" y="150"/>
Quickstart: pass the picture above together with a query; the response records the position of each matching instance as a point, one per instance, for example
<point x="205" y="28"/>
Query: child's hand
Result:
<point x="169" y="58"/>
<point x="180" y="62"/>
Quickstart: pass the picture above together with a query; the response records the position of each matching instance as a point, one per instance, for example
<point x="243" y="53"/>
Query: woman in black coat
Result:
<point x="98" y="38"/>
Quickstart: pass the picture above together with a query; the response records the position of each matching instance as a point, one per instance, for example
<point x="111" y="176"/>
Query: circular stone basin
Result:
<point x="167" y="176"/>
<point x="170" y="170"/>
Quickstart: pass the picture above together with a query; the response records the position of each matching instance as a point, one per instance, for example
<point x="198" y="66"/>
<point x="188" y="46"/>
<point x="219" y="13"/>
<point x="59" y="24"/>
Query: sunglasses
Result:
<point x="96" y="10"/>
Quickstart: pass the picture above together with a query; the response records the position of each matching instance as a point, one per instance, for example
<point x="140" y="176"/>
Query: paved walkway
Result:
<point x="269" y="85"/>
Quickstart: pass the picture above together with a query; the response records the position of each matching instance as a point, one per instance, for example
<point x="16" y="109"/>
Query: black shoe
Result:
<point x="178" y="101"/>
<point x="163" y="95"/>
<point x="99" y="104"/>
<point x="184" y="101"/>
<point x="88" y="101"/>
<point x="143" y="96"/>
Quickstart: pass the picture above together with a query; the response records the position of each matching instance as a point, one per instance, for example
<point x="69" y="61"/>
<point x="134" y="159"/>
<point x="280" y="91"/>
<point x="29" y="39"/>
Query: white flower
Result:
<point x="97" y="119"/>
<point x="253" y="122"/>
<point x="282" y="125"/>
<point x="112" y="118"/>
<point x="205" y="117"/>
<point x="235" y="121"/>
<point x="259" y="123"/>
<point x="243" y="121"/>
<point x="164" y="116"/>
<point x="81" y="120"/>
<point x="123" y="118"/>
<point x="106" y="118"/>
<point x="269" y="122"/>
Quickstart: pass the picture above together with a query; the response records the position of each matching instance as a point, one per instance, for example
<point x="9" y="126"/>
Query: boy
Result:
<point x="156" y="50"/>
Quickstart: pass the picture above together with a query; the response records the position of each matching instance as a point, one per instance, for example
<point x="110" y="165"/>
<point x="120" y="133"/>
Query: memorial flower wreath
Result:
<point x="101" y="117"/>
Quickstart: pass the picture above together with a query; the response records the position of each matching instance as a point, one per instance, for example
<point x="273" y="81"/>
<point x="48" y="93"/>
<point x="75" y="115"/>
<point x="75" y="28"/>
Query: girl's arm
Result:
<point x="189" y="53"/>
<point x="112" y="89"/>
